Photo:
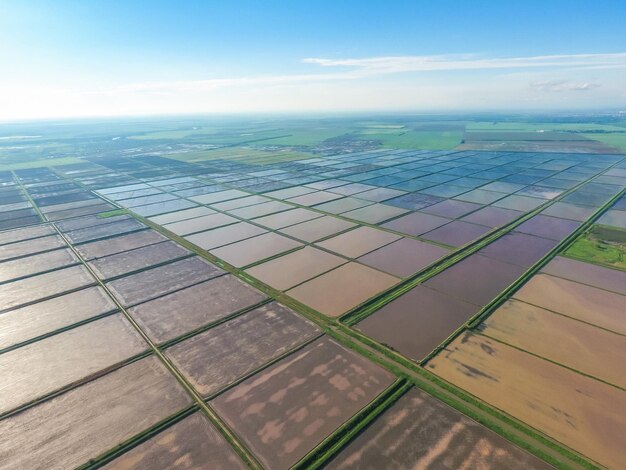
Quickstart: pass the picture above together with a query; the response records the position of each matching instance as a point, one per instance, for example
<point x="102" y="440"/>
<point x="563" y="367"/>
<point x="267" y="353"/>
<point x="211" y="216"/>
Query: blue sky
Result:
<point x="86" y="58"/>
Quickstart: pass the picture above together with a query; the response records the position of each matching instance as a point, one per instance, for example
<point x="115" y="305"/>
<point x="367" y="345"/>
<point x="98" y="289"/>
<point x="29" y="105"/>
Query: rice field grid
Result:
<point x="196" y="303"/>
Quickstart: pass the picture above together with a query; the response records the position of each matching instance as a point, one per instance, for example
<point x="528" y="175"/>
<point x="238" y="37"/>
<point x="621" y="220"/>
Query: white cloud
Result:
<point x="364" y="68"/>
<point x="562" y="85"/>
<point x="471" y="62"/>
<point x="375" y="83"/>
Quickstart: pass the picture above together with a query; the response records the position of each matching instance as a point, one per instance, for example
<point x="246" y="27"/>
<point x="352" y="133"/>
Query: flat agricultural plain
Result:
<point x="287" y="409"/>
<point x="420" y="432"/>
<point x="575" y="344"/>
<point x="190" y="443"/>
<point x="179" y="296"/>
<point x="580" y="412"/>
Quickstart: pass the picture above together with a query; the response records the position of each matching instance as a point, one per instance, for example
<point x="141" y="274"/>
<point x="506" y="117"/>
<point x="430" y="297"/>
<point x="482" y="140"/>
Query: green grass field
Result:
<point x="176" y="135"/>
<point x="313" y="136"/>
<point x="243" y="154"/>
<point x="614" y="140"/>
<point x="426" y="140"/>
<point x="594" y="247"/>
<point x="213" y="135"/>
<point x="4" y="165"/>
<point x="546" y="126"/>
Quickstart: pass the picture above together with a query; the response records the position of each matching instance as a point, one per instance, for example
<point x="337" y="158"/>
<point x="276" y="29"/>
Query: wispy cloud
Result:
<point x="562" y="85"/>
<point x="398" y="64"/>
<point x="354" y="69"/>
<point x="374" y="83"/>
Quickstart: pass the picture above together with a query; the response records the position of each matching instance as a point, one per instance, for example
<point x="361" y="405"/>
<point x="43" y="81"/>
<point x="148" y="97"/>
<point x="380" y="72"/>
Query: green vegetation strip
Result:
<point x="113" y="213"/>
<point x="329" y="447"/>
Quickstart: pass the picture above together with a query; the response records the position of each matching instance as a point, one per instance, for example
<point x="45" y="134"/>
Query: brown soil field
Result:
<point x="27" y="233"/>
<point x="163" y="207"/>
<point x="225" y="235"/>
<point x="374" y="214"/>
<point x="260" y="210"/>
<point x="190" y="443"/>
<point x="181" y="215"/>
<point x="175" y="314"/>
<point x="312" y="199"/>
<point x="296" y="267"/>
<point x="403" y="257"/>
<point x="247" y="201"/>
<point x="112" y="246"/>
<point x="582" y="413"/>
<point x="583" y="347"/>
<point x="457" y="233"/>
<point x="139" y="258"/>
<point x="343" y="205"/>
<point x="42" y="286"/>
<point x="342" y="289"/>
<point x="568" y="211"/>
<point x="287" y="218"/>
<point x="519" y="248"/>
<point x="359" y="241"/>
<point x="420" y="432"/>
<point x="90" y="221"/>
<point x="476" y="279"/>
<point x="161" y="280"/>
<point x="416" y="223"/>
<point x="316" y="229"/>
<point x="519" y="203"/>
<point x="587" y="273"/>
<point x="199" y="224"/>
<point x="553" y="228"/>
<point x="34" y="264"/>
<point x="592" y="305"/>
<point x="103" y="230"/>
<point x="286" y="410"/>
<point x="39" y="368"/>
<point x="68" y="430"/>
<point x="452" y="208"/>
<point x="29" y="247"/>
<point x="415" y="323"/>
<point x="37" y="319"/>
<point x="217" y="357"/>
<point x="492" y="216"/>
<point x="255" y="249"/>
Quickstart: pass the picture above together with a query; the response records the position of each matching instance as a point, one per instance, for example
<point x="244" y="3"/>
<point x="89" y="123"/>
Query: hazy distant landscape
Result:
<point x="269" y="140"/>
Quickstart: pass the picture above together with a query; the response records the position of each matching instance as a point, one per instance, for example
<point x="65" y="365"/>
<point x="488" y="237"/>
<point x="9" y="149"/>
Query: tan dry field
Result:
<point x="284" y="411"/>
<point x="582" y="413"/>
<point x="589" y="304"/>
<point x="420" y="432"/>
<point x="582" y="347"/>
<point x="587" y="273"/>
